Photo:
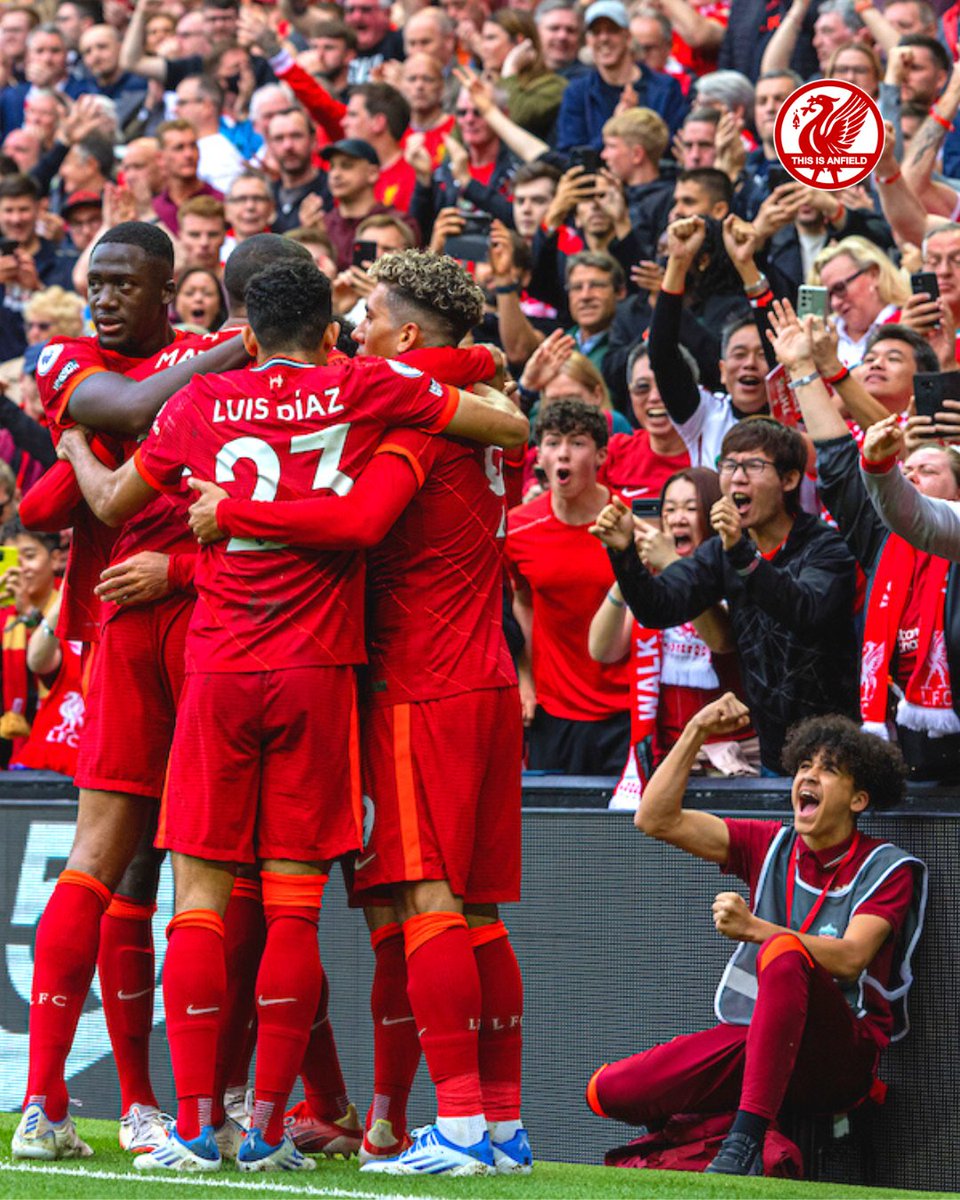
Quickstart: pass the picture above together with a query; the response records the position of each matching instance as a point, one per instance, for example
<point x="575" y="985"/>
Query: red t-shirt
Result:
<point x="433" y="139"/>
<point x="395" y="184"/>
<point x="63" y="364"/>
<point x="633" y="469"/>
<point x="749" y="843"/>
<point x="567" y="573"/>
<point x="283" y="430"/>
<point x="435" y="584"/>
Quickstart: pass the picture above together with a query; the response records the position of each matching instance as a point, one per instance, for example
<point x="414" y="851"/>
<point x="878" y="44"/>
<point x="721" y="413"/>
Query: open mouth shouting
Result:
<point x="741" y="502"/>
<point x="808" y="801"/>
<point x="562" y="475"/>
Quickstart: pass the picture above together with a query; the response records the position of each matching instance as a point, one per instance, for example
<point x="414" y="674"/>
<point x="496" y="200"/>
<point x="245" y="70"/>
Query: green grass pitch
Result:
<point x="110" y="1174"/>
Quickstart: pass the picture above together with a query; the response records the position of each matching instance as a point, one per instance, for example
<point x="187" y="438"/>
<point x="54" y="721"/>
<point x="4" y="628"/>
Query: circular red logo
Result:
<point x="829" y="134"/>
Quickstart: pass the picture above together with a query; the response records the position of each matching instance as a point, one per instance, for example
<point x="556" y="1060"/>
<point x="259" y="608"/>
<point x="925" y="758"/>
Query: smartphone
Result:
<point x="586" y="157"/>
<point x="469" y="247"/>
<point x="812" y="300"/>
<point x="778" y="175"/>
<point x="9" y="558"/>
<point x="930" y="389"/>
<point x="364" y="252"/>
<point x="925" y="281"/>
<point x="8" y="245"/>
<point x="647" y="507"/>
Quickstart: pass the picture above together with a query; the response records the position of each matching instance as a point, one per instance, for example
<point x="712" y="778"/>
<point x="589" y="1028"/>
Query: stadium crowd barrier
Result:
<point x="618" y="951"/>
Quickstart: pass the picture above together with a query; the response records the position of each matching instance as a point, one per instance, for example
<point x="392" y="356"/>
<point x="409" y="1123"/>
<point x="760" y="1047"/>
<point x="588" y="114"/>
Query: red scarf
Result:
<point x="928" y="703"/>
<point x="55" y="735"/>
<point x="645" y="663"/>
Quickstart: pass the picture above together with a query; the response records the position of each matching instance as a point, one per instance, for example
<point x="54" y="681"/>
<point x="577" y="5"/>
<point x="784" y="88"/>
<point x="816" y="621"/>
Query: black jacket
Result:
<point x="792" y="620"/>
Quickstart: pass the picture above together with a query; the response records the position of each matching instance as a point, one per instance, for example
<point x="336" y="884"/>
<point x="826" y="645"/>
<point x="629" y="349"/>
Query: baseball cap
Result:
<point x="353" y="148"/>
<point x="613" y="10"/>
<point x="78" y="199"/>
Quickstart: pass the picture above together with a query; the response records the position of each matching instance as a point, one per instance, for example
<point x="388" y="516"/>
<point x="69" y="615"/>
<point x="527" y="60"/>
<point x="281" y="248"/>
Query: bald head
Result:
<point x="431" y="31"/>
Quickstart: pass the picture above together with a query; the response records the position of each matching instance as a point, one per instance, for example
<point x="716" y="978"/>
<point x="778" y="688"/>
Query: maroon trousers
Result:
<point x="804" y="1050"/>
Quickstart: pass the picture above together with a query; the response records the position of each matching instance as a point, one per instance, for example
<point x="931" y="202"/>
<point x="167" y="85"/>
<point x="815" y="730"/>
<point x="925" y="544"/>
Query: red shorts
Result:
<point x="131" y="702"/>
<point x="442" y="795"/>
<point x="265" y="765"/>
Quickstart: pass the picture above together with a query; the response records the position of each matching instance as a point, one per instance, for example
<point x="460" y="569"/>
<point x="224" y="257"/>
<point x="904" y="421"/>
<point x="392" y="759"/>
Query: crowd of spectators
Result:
<point x="608" y="174"/>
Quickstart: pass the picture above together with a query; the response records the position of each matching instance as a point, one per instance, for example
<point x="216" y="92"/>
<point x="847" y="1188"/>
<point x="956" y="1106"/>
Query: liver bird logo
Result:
<point x="830" y="130"/>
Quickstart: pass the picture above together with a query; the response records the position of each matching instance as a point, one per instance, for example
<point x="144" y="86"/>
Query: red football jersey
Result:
<point x="63" y="364"/>
<point x="435" y="583"/>
<point x="283" y="430"/>
<point x="633" y="469"/>
<point x="568" y="574"/>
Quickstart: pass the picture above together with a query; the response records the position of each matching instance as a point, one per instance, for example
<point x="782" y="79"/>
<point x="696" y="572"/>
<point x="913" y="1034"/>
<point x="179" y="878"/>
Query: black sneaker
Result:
<point x="740" y="1154"/>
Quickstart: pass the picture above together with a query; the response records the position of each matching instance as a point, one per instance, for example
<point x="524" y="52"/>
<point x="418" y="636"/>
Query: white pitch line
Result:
<point x="199" y="1179"/>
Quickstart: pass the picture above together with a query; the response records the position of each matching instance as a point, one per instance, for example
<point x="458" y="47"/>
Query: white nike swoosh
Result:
<point x="394" y="1020"/>
<point x="363" y="862"/>
<point x="196" y="1012"/>
<point x="633" y="493"/>
<point x="134" y="995"/>
<point x="278" y="1000"/>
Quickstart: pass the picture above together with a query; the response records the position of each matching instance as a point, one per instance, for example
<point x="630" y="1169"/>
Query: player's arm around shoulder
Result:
<point x="485" y="415"/>
<point x="661" y="814"/>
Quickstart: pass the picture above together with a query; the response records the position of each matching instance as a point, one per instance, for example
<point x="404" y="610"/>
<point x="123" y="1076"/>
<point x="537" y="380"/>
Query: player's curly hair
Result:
<point x="432" y="290"/>
<point x="876" y="766"/>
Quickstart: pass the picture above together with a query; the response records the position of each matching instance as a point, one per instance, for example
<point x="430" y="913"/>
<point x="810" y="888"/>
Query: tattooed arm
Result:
<point x="939" y="199"/>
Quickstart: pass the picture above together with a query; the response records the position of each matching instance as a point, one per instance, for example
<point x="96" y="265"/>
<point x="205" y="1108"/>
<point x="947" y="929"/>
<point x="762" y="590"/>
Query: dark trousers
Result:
<point x="578" y="747"/>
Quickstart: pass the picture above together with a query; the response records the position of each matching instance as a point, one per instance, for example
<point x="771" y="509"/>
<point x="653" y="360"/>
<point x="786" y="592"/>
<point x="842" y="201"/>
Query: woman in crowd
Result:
<point x="676" y="671"/>
<point x="864" y="288"/>
<point x="511" y="57"/>
<point x="199" y="300"/>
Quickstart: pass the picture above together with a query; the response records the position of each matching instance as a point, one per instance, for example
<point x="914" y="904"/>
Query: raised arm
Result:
<point x="905" y="214"/>
<point x="116" y="404"/>
<point x="926" y="522"/>
<point x="780" y="48"/>
<point x="674" y="380"/>
<point x="661" y="814"/>
<point x="937" y="198"/>
<point x="525" y="145"/>
<point x="133" y="55"/>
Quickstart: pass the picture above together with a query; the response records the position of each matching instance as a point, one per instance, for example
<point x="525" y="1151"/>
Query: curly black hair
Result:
<point x="569" y="415"/>
<point x="876" y="766"/>
<point x="289" y="305"/>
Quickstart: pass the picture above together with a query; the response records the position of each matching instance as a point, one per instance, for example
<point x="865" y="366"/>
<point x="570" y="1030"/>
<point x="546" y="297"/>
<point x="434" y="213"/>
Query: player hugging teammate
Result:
<point x="265" y="766"/>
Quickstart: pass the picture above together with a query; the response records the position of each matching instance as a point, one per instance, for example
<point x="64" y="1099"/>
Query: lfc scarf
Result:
<point x="927" y="703"/>
<point x="645" y="660"/>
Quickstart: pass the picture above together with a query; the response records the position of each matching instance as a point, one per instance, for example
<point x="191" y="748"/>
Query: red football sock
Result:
<point x="501" y="1021"/>
<point x="784" y="968"/>
<point x="244" y="935"/>
<point x="64" y="957"/>
<point x="127" y="981"/>
<point x="323" y="1084"/>
<point x="194" y="987"/>
<point x="444" y="990"/>
<point x="396" y="1047"/>
<point x="288" y="992"/>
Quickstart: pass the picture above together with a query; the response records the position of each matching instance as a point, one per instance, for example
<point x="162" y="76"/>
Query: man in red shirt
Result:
<point x="268" y="708"/>
<point x="817" y="985"/>
<point x="438" y="664"/>
<point x="379" y="115"/>
<point x="131" y="700"/>
<point x="576" y="710"/>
